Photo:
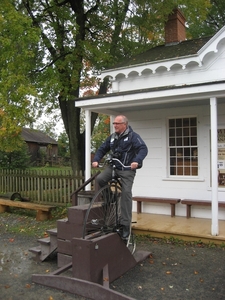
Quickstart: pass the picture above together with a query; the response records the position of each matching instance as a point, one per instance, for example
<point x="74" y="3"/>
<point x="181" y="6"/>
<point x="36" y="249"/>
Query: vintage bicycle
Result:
<point x="104" y="214"/>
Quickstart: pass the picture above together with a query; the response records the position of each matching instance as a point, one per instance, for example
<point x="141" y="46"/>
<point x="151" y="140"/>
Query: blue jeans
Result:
<point x="127" y="180"/>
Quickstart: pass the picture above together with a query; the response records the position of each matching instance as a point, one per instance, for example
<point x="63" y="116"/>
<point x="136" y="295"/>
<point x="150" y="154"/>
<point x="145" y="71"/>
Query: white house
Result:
<point x="174" y="97"/>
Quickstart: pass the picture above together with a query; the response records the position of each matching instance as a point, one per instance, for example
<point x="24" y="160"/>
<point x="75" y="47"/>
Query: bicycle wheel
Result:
<point x="103" y="213"/>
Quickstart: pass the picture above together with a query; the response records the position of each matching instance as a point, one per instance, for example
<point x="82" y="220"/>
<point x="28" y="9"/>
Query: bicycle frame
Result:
<point x="103" y="214"/>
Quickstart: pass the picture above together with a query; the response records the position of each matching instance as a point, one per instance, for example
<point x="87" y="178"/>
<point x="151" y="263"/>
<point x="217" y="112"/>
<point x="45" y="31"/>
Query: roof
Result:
<point x="166" y="51"/>
<point x="147" y="90"/>
<point x="173" y="75"/>
<point x="154" y="98"/>
<point x="36" y="136"/>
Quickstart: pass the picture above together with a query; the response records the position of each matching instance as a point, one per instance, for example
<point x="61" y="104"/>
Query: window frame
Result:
<point x="182" y="145"/>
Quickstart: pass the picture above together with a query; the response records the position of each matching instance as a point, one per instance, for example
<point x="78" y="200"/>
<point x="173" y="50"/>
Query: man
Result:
<point x="130" y="149"/>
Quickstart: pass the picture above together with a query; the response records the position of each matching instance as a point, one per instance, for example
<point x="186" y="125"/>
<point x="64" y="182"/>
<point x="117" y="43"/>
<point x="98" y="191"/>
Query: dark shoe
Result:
<point x="125" y="232"/>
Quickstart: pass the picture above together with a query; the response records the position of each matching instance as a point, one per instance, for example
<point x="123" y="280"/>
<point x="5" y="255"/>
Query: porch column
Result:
<point x="112" y="117"/>
<point x="214" y="175"/>
<point x="87" y="148"/>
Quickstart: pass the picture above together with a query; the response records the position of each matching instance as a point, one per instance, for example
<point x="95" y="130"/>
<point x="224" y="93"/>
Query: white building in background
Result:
<point x="174" y="97"/>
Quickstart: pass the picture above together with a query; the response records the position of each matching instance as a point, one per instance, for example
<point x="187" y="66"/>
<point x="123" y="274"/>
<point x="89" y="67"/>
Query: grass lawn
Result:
<point x="23" y="221"/>
<point x="48" y="168"/>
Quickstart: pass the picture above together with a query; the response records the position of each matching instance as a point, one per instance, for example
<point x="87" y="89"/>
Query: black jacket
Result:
<point x="128" y="147"/>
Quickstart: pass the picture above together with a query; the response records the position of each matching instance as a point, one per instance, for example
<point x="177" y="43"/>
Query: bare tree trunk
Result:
<point x="71" y="119"/>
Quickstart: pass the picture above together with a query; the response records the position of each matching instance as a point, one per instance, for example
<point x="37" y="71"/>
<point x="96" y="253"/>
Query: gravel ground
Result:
<point x="173" y="271"/>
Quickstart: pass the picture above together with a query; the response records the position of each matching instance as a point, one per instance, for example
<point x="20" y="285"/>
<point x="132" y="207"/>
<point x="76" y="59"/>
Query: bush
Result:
<point x="18" y="159"/>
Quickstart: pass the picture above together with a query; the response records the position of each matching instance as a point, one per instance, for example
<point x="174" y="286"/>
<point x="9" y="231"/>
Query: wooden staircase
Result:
<point x="46" y="246"/>
<point x="60" y="238"/>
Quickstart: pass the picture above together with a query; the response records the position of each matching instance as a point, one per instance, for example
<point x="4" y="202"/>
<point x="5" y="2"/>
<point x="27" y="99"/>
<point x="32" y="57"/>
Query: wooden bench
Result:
<point x="171" y="201"/>
<point x="43" y="211"/>
<point x="190" y="202"/>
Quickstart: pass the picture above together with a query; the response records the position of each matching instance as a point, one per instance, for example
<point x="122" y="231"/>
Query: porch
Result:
<point x="192" y="229"/>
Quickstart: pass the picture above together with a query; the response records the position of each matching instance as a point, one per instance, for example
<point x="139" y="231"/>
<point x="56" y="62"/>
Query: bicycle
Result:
<point x="103" y="214"/>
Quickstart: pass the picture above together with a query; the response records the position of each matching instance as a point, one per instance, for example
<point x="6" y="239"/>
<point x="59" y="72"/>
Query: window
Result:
<point x="183" y="148"/>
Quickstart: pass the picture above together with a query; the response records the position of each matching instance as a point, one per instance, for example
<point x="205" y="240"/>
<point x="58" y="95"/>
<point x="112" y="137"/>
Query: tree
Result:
<point x="17" y="159"/>
<point x="101" y="132"/>
<point x="63" y="145"/>
<point x="65" y="39"/>
<point x="48" y="128"/>
<point x="215" y="19"/>
<point x="18" y="40"/>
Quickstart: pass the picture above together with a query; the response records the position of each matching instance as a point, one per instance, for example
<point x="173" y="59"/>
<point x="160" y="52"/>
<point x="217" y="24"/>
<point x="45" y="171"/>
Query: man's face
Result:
<point x="119" y="125"/>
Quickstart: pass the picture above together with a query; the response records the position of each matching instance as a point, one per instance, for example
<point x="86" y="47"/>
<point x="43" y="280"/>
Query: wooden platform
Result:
<point x="43" y="211"/>
<point x="163" y="226"/>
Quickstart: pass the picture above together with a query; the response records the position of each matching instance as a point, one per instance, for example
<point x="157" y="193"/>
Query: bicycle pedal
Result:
<point x="118" y="229"/>
<point x="94" y="222"/>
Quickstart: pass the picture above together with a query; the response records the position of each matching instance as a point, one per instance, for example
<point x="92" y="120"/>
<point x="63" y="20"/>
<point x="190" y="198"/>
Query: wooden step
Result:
<point x="52" y="231"/>
<point x="37" y="252"/>
<point x="44" y="241"/>
<point x="47" y="246"/>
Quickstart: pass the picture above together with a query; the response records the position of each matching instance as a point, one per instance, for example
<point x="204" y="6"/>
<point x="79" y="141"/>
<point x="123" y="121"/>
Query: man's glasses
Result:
<point x="115" y="123"/>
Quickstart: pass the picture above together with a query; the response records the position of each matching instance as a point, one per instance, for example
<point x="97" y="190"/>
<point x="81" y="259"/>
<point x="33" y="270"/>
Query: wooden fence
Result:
<point x="41" y="186"/>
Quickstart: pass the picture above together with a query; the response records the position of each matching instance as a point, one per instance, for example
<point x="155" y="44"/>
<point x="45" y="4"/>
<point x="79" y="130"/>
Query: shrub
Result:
<point x="18" y="159"/>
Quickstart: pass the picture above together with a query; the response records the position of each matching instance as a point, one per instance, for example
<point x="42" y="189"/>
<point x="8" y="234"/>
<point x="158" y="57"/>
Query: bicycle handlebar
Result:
<point x="111" y="159"/>
<point x="116" y="159"/>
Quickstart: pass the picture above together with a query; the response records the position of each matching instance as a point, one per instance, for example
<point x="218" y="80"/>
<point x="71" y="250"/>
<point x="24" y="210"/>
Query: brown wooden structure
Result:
<point x="43" y="211"/>
<point x="171" y="201"/>
<point x="40" y="145"/>
<point x="190" y="202"/>
<point x="95" y="261"/>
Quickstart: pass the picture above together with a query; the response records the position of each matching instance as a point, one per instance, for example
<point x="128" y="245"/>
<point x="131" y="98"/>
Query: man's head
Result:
<point x="120" y="124"/>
